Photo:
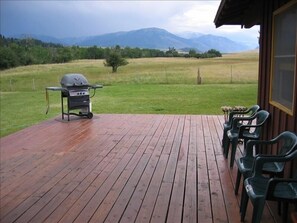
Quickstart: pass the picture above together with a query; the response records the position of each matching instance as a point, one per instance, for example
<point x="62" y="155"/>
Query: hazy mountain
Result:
<point x="46" y="39"/>
<point x="220" y="43"/>
<point x="156" y="38"/>
<point x="153" y="38"/>
<point x="50" y="39"/>
<point x="189" y="35"/>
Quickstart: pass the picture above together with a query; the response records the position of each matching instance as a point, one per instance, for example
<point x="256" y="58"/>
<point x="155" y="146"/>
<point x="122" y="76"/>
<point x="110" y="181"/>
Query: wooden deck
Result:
<point x="119" y="168"/>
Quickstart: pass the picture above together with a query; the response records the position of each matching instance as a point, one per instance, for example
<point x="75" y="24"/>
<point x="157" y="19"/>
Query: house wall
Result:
<point x="279" y="120"/>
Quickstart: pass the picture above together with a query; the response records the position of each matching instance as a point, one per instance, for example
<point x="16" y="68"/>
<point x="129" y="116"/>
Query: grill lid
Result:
<point x="74" y="80"/>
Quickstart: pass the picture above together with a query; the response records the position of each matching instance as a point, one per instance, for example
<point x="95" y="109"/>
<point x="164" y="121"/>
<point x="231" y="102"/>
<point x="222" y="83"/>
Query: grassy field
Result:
<point x="151" y="85"/>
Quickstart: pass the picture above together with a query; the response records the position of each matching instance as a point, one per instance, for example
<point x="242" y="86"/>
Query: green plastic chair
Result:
<point x="259" y="188"/>
<point x="251" y="130"/>
<point x="227" y="125"/>
<point x="286" y="142"/>
<point x="283" y="190"/>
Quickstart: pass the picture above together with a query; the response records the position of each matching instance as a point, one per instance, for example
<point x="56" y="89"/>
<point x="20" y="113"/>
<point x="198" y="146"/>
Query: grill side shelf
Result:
<point x="47" y="97"/>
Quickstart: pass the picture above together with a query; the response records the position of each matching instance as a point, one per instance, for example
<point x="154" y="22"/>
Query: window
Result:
<point x="284" y="58"/>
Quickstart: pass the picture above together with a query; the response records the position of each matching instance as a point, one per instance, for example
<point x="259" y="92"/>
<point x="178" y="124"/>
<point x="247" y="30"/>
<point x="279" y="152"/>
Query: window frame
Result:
<point x="272" y="101"/>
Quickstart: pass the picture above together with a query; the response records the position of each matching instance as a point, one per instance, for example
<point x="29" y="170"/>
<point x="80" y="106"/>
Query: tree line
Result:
<point x="20" y="52"/>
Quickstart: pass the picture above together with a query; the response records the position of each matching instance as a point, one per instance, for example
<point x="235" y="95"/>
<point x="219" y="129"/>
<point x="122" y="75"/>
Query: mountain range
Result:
<point x="152" y="38"/>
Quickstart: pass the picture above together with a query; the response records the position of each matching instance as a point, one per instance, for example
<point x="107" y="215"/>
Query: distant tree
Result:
<point x="95" y="53"/>
<point x="171" y="52"/>
<point x="62" y="55"/>
<point x="214" y="53"/>
<point x="132" y="52"/>
<point x="209" y="54"/>
<point x="8" y="58"/>
<point x="192" y="53"/>
<point x="114" y="60"/>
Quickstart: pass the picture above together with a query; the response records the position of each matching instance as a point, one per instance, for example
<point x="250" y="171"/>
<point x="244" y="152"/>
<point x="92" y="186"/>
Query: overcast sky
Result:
<point x="73" y="18"/>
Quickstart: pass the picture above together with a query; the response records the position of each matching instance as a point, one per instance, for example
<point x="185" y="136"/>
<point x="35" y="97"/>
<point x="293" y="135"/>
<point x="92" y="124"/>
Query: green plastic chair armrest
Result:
<point x="261" y="159"/>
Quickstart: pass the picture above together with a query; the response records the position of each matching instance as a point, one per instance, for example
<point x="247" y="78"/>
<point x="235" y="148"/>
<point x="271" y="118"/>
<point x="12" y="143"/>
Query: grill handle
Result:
<point x="94" y="87"/>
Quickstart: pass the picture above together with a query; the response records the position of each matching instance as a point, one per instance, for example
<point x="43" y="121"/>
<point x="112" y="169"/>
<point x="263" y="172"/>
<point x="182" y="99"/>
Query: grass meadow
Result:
<point x="144" y="86"/>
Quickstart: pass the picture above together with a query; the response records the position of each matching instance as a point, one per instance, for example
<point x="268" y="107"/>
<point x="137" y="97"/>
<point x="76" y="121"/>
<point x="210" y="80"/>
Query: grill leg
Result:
<point x="62" y="105"/>
<point x="68" y="108"/>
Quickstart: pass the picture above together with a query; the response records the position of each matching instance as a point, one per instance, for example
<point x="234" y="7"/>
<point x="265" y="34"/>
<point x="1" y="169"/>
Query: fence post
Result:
<point x="199" y="81"/>
<point x="33" y="84"/>
<point x="10" y="84"/>
<point x="231" y="81"/>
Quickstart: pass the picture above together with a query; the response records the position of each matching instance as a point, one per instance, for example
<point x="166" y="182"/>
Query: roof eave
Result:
<point x="245" y="13"/>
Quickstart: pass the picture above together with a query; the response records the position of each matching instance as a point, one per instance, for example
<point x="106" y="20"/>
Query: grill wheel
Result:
<point x="90" y="115"/>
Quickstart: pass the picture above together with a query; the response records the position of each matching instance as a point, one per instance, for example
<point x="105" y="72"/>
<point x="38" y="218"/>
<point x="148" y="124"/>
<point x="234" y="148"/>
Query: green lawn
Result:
<point x="144" y="86"/>
<point x="172" y="99"/>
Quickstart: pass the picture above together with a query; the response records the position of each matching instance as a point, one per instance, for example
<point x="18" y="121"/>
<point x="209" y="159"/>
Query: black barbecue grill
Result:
<point x="76" y="89"/>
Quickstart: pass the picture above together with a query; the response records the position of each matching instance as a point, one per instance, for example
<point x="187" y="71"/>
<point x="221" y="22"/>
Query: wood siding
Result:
<point x="279" y="120"/>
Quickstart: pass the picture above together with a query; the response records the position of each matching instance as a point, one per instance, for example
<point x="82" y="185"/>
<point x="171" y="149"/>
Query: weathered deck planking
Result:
<point x="119" y="168"/>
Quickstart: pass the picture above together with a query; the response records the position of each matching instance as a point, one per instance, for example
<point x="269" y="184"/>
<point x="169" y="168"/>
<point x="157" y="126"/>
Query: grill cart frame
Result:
<point x="75" y="90"/>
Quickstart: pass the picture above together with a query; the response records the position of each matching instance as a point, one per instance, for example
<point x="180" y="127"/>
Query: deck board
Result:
<point x="119" y="168"/>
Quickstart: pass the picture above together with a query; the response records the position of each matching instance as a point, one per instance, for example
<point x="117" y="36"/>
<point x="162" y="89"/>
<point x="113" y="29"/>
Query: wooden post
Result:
<point x="33" y="84"/>
<point x="10" y="84"/>
<point x="199" y="81"/>
<point x="231" y="75"/>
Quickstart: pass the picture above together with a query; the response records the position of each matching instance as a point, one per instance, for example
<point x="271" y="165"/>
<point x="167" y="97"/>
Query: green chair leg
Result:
<point x="258" y="210"/>
<point x="233" y="151"/>
<point x="226" y="148"/>
<point x="243" y="204"/>
<point x="238" y="178"/>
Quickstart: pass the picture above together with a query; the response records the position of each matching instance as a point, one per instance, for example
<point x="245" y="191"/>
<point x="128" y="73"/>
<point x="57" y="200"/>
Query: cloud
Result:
<point x="74" y="18"/>
<point x="95" y="17"/>
<point x="199" y="17"/>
